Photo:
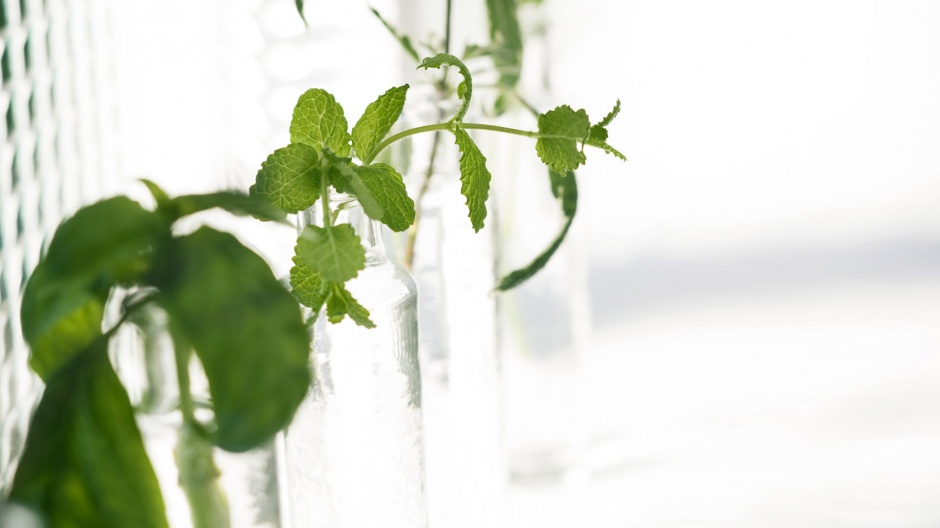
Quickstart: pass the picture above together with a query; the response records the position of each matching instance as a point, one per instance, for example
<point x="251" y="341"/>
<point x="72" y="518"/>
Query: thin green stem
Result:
<point x="198" y="474"/>
<point x="447" y="24"/>
<point x="450" y="126"/>
<point x="425" y="185"/>
<point x="325" y="191"/>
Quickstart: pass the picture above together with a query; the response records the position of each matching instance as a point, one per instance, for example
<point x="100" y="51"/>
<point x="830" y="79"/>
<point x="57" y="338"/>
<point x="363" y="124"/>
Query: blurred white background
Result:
<point x="765" y="270"/>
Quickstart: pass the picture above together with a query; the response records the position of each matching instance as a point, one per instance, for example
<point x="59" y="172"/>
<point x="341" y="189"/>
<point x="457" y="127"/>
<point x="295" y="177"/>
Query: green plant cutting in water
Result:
<point x="84" y="462"/>
<point x="319" y="160"/>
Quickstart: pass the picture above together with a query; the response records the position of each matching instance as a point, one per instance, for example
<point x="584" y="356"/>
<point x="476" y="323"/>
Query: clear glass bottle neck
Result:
<point x="346" y="209"/>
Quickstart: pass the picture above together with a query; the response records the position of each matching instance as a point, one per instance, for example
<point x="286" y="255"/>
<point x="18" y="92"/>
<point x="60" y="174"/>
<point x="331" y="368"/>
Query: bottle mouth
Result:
<point x="341" y="199"/>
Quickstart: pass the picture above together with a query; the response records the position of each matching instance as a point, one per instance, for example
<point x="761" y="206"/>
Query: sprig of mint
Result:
<point x="320" y="160"/>
<point x="84" y="463"/>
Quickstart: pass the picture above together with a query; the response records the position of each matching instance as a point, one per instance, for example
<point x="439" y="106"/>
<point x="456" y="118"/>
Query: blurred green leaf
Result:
<point x="246" y="329"/>
<point x="299" y="4"/>
<point x="505" y="32"/>
<point x="84" y="464"/>
<point x="402" y="39"/>
<point x="565" y="188"/>
<point x="236" y="203"/>
<point x="102" y="245"/>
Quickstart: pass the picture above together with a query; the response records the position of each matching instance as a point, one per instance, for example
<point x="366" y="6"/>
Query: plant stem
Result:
<point x="413" y="232"/>
<point x="198" y="474"/>
<point x="325" y="191"/>
<point x="450" y="126"/>
<point x="447" y="25"/>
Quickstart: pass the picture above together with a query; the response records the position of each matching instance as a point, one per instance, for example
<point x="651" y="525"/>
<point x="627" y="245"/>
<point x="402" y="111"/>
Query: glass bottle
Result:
<point x="354" y="454"/>
<point x="202" y="486"/>
<point x="544" y="323"/>
<point x="453" y="267"/>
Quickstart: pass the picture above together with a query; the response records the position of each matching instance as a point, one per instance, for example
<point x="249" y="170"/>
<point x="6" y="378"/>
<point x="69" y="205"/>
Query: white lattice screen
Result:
<point x="55" y="154"/>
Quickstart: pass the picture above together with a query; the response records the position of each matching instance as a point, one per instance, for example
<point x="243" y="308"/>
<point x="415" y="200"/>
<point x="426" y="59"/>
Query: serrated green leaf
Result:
<point x="246" y="329"/>
<point x="598" y="135"/>
<point x="84" y="462"/>
<point x="464" y="89"/>
<point x="401" y="38"/>
<point x="344" y="179"/>
<point x="307" y="285"/>
<point x="377" y="120"/>
<point x="605" y="147"/>
<point x="102" y="245"/>
<point x="289" y="179"/>
<point x="318" y="121"/>
<point x="610" y="116"/>
<point x="505" y="31"/>
<point x="334" y="252"/>
<point x="393" y="207"/>
<point x="474" y="178"/>
<point x="560" y="130"/>
<point x="563" y="187"/>
<point x="235" y="203"/>
<point x="341" y="303"/>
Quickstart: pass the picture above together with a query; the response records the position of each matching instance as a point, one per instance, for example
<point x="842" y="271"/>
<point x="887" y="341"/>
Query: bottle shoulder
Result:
<point x="386" y="282"/>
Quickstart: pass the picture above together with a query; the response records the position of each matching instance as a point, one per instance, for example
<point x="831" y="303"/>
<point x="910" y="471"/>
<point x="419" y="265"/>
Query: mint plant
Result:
<point x="320" y="159"/>
<point x="505" y="54"/>
<point x="84" y="462"/>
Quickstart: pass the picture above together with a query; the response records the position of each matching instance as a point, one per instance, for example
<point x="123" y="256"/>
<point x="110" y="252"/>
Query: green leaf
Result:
<point x="377" y="120"/>
<point x="598" y="135"/>
<point x="401" y="38"/>
<point x="307" y="285"/>
<point x="341" y="303"/>
<point x="318" y="121"/>
<point x="608" y="119"/>
<point x="246" y="329"/>
<point x="300" y="10"/>
<point x="102" y="245"/>
<point x="393" y="207"/>
<point x="289" y="179"/>
<point x="474" y="178"/>
<point x="107" y="240"/>
<point x="158" y="194"/>
<point x="343" y="177"/>
<point x="59" y="318"/>
<point x="464" y="89"/>
<point x="505" y="31"/>
<point x="564" y="187"/>
<point x="334" y="252"/>
<point x="234" y="202"/>
<point x="561" y="129"/>
<point x="84" y="462"/>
